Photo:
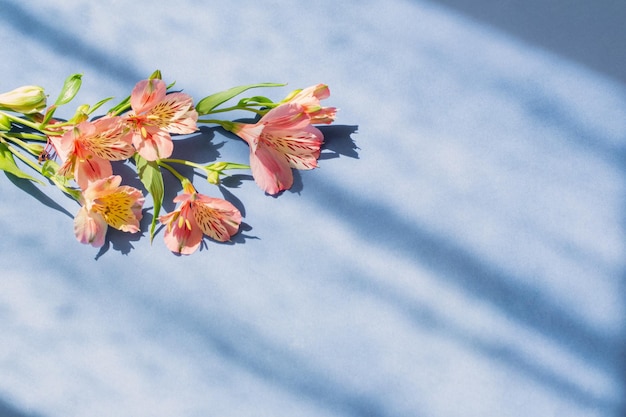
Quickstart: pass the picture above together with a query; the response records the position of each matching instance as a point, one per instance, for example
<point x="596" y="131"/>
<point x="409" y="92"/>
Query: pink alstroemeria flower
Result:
<point x="310" y="98"/>
<point x="106" y="203"/>
<point x="196" y="215"/>
<point x="281" y="140"/>
<point x="87" y="149"/>
<point x="155" y="114"/>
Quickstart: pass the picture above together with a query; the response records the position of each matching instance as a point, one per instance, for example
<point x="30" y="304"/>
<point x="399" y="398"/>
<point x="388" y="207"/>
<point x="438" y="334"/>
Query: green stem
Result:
<point x="228" y="125"/>
<point x="24" y="159"/>
<point x="233" y="108"/>
<point x="175" y="173"/>
<point x="30" y="136"/>
<point x="75" y="194"/>
<point x="182" y="162"/>
<point x="23" y="145"/>
<point x="30" y="124"/>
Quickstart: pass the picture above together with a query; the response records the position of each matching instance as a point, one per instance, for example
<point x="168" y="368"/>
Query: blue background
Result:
<point x="459" y="252"/>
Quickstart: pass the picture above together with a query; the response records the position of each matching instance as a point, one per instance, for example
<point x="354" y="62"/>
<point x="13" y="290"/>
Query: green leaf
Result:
<point x="152" y="178"/>
<point x="121" y="107"/>
<point x="7" y="164"/>
<point x="98" y="104"/>
<point x="49" y="168"/>
<point x="260" y="100"/>
<point x="70" y="88"/>
<point x="208" y="103"/>
<point x="156" y="75"/>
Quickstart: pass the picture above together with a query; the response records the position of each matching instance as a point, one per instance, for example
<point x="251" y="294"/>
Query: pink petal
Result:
<point x="270" y="170"/>
<point x="249" y="133"/>
<point x="217" y="218"/>
<point x="185" y="124"/>
<point x="301" y="148"/>
<point x="103" y="186"/>
<point x="175" y="114"/>
<point x="110" y="139"/>
<point x="88" y="170"/>
<point x="288" y="116"/>
<point x="90" y="228"/>
<point x="63" y="145"/>
<point x="146" y="94"/>
<point x="184" y="240"/>
<point x="325" y="115"/>
<point x="155" y="145"/>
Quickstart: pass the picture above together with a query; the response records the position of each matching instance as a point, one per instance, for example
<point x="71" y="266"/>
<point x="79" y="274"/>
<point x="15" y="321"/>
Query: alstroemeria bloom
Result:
<point x="198" y="215"/>
<point x="106" y="203"/>
<point x="310" y="98"/>
<point x="155" y="114"/>
<point x="87" y="149"/>
<point x="281" y="140"/>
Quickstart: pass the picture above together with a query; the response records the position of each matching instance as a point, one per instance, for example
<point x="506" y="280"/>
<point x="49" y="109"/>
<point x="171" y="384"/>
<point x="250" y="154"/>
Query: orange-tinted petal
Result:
<point x="90" y="227"/>
<point x="109" y="140"/>
<point x="153" y="143"/>
<point x="300" y="147"/>
<point x="174" y="114"/>
<point x="88" y="170"/>
<point x="217" y="218"/>
<point x="182" y="234"/>
<point x="146" y="94"/>
<point x="271" y="170"/>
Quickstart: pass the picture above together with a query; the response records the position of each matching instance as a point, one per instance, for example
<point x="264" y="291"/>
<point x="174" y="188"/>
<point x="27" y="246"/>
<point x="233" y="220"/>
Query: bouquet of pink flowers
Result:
<point x="75" y="155"/>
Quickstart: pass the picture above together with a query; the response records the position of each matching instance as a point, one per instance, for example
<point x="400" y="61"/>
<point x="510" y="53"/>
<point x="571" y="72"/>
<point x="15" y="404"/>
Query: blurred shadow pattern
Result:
<point x="29" y="25"/>
<point x="253" y="351"/>
<point x="590" y="32"/>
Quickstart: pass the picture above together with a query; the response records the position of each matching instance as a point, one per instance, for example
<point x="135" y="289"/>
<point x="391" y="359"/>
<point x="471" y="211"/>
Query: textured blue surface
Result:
<point x="459" y="252"/>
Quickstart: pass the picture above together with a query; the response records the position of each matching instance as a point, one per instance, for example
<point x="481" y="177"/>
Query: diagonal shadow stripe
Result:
<point x="590" y="32"/>
<point x="66" y="44"/>
<point x="7" y="410"/>
<point x="375" y="222"/>
<point x="492" y="349"/>
<point x="236" y="342"/>
<point x="247" y="348"/>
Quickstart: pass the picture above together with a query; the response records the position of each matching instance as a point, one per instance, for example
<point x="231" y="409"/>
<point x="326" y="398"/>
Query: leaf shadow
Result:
<point x="31" y="189"/>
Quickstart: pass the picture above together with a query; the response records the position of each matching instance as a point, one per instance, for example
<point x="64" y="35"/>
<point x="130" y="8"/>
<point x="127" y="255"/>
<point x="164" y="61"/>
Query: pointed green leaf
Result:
<point x="48" y="116"/>
<point x="152" y="178"/>
<point x="121" y="107"/>
<point x="70" y="88"/>
<point x="99" y="104"/>
<point x="255" y="100"/>
<point x="208" y="103"/>
<point x="156" y="75"/>
<point x="7" y="164"/>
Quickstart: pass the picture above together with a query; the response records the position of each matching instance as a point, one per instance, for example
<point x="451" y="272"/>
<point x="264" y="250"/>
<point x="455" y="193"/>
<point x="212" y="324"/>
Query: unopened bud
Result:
<point x="213" y="177"/>
<point x="82" y="114"/>
<point x="26" y="100"/>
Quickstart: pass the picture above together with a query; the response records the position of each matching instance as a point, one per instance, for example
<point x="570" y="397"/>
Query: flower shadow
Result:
<point x="198" y="147"/>
<point x="338" y="141"/>
<point x="120" y="241"/>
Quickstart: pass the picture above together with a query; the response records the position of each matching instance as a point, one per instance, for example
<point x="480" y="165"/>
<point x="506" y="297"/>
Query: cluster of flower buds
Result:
<point x="76" y="154"/>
